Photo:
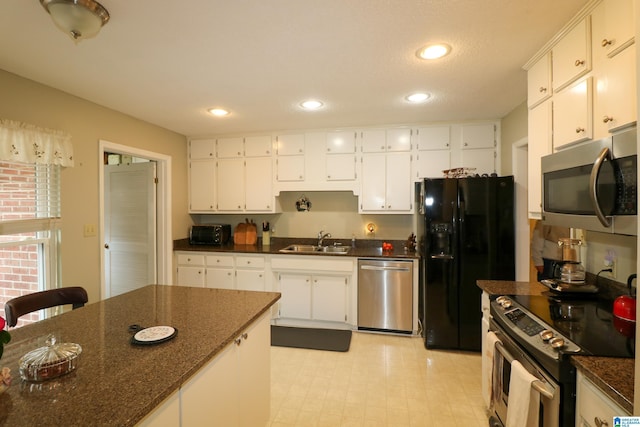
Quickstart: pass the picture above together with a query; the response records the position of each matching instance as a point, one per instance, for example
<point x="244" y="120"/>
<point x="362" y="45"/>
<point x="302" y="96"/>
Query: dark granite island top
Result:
<point x="117" y="383"/>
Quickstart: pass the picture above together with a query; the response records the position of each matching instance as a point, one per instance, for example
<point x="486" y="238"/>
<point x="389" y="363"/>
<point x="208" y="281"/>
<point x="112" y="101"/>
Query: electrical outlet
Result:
<point x="610" y="262"/>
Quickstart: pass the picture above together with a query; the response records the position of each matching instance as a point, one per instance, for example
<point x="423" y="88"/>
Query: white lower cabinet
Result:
<point x="222" y="271"/>
<point x="250" y="273"/>
<point x="167" y="414"/>
<point x="191" y="269"/>
<point x="234" y="388"/>
<point x="313" y="288"/>
<point x="593" y="407"/>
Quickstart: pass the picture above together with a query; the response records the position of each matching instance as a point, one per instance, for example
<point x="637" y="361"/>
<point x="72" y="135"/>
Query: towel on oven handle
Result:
<point x="487" y="368"/>
<point x="524" y="402"/>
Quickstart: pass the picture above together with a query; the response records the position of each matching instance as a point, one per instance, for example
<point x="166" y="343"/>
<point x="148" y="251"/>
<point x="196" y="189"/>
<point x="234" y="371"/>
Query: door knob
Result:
<point x="106" y="246"/>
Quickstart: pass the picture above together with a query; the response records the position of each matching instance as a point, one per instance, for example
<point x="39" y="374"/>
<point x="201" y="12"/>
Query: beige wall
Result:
<point x="39" y="105"/>
<point x="513" y="128"/>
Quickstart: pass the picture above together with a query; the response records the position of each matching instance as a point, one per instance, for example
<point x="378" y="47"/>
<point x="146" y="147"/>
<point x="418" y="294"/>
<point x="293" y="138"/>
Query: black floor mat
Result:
<point x="311" y="338"/>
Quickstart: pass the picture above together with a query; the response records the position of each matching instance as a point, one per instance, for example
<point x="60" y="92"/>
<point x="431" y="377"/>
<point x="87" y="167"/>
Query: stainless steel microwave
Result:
<point x="593" y="186"/>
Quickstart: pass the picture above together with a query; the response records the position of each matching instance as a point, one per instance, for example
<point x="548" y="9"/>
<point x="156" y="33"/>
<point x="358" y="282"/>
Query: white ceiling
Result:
<point x="166" y="62"/>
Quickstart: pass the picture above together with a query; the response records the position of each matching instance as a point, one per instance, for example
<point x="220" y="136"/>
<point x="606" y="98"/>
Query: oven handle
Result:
<point x="605" y="154"/>
<point x="537" y="385"/>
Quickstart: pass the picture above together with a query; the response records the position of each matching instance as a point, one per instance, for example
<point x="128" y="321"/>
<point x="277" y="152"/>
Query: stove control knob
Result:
<point x="501" y="299"/>
<point x="546" y="335"/>
<point x="557" y="342"/>
<point x="506" y="303"/>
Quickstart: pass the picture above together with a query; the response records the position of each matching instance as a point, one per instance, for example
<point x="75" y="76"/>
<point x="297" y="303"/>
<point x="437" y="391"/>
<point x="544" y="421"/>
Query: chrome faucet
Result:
<point x="322" y="236"/>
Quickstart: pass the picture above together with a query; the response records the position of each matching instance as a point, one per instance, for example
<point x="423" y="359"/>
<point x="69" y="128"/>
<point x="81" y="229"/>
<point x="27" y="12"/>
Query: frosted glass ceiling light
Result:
<point x="417" y="98"/>
<point x="311" y="104"/>
<point x="433" y="51"/>
<point x="80" y="19"/>
<point x="220" y="112"/>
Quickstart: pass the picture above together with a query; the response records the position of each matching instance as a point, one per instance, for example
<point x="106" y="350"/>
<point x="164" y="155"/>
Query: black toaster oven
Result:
<point x="213" y="234"/>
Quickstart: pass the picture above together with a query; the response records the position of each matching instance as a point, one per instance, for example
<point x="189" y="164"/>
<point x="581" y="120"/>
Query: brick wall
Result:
<point x="19" y="263"/>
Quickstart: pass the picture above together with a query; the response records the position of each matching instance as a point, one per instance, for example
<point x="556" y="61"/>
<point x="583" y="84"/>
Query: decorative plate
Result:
<point x="154" y="335"/>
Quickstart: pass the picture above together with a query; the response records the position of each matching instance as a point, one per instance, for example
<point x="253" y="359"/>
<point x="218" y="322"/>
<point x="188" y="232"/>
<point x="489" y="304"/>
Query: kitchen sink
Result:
<point x="316" y="249"/>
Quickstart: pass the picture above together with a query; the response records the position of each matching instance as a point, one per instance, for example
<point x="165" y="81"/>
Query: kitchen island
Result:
<point x="116" y="382"/>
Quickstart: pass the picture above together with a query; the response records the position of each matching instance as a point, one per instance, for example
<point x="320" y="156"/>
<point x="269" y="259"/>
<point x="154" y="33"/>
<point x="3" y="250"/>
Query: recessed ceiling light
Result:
<point x="433" y="51"/>
<point x="218" y="112"/>
<point x="417" y="97"/>
<point x="311" y="104"/>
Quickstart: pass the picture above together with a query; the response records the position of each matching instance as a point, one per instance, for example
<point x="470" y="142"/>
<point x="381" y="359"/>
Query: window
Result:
<point x="29" y="230"/>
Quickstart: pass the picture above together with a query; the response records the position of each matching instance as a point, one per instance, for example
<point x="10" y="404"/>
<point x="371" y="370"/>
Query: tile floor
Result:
<point x="381" y="381"/>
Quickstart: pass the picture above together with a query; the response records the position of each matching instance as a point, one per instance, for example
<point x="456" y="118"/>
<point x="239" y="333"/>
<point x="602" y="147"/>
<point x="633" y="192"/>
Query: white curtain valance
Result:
<point x="22" y="142"/>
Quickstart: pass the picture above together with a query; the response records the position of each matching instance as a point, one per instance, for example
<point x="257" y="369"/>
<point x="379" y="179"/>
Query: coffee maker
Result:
<point x="570" y="270"/>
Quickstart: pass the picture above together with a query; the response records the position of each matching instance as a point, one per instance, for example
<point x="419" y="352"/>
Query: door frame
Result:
<point x="164" y="240"/>
<point x="519" y="162"/>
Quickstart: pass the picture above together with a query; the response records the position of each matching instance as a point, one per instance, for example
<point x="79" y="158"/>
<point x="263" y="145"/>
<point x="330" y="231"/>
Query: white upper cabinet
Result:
<point x="573" y="114"/>
<point x="478" y="136"/>
<point x="433" y="138"/>
<point x="257" y="146"/>
<point x="613" y="27"/>
<point x="399" y="140"/>
<point x="230" y="185"/>
<point x="374" y="140"/>
<point x="202" y="149"/>
<point x="341" y="142"/>
<point x="572" y="55"/>
<point x="258" y="184"/>
<point x="227" y="148"/>
<point x="539" y="144"/>
<point x="539" y="81"/>
<point x="290" y="145"/>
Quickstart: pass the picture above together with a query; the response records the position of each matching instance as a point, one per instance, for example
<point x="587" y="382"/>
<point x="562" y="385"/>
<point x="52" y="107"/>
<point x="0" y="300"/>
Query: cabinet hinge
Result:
<point x="345" y="317"/>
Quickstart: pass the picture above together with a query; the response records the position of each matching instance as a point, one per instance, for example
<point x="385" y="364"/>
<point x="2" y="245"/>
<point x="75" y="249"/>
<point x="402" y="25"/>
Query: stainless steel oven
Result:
<point x="593" y="186"/>
<point x="505" y="353"/>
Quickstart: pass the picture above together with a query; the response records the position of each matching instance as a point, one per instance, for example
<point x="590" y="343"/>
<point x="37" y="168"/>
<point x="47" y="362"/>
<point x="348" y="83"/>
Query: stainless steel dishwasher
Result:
<point x="385" y="295"/>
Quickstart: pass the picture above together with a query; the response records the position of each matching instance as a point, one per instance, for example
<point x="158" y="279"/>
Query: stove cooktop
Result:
<point x="586" y="321"/>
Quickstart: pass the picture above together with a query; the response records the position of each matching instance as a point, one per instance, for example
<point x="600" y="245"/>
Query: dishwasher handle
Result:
<point x="383" y="268"/>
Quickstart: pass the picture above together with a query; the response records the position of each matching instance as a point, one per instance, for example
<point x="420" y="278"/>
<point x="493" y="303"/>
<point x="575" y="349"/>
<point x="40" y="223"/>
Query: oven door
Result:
<point x="506" y="351"/>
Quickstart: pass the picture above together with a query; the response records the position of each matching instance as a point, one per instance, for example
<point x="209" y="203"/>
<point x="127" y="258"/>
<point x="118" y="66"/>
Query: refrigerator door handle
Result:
<point x="442" y="256"/>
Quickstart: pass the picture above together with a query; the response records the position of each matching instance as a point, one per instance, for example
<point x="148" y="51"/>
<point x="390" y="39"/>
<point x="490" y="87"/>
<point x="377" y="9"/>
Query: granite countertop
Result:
<point x="117" y="383"/>
<point x="615" y="376"/>
<point x="364" y="248"/>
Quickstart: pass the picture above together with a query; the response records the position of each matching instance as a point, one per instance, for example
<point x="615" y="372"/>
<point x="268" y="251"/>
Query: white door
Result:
<point x="129" y="227"/>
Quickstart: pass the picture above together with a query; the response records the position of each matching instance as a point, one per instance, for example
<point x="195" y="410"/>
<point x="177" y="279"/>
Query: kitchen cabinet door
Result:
<point x="340" y="167"/>
<point x="539" y="81"/>
<point x="539" y="145"/>
<point x="258" y="184"/>
<point x="399" y="140"/>
<point x="612" y="27"/>
<point x="290" y="168"/>
<point x="258" y="146"/>
<point x="229" y="148"/>
<point x="202" y="185"/>
<point x="290" y="145"/>
<point x="573" y="114"/>
<point x="374" y="140"/>
<point x="329" y="298"/>
<point x="398" y="182"/>
<point x="430" y="164"/>
<point x="478" y="136"/>
<point x="202" y="149"/>
<point x="614" y="106"/>
<point x="191" y="276"/>
<point x="481" y="160"/>
<point x="230" y="185"/>
<point x="433" y="138"/>
<point x="295" y="302"/>
<point x="373" y="193"/>
<point x="250" y="280"/>
<point x="341" y="142"/>
<point x="572" y="55"/>
<point x="220" y="278"/>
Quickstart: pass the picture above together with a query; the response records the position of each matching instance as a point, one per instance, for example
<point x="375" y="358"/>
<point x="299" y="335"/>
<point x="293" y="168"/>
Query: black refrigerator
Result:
<point x="468" y="234"/>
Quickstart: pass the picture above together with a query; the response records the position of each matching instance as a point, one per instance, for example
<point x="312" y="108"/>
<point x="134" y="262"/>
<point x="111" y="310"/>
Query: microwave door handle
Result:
<point x="593" y="190"/>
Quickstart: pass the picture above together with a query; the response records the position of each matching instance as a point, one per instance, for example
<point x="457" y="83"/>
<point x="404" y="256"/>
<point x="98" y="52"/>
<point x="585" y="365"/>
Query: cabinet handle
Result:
<point x="579" y="62"/>
<point x="606" y="42"/>
<point x="607" y="119"/>
<point x="238" y="341"/>
<point x="542" y="89"/>
<point x="579" y="130"/>
<point x="245" y="336"/>
<point x="600" y="423"/>
<point x="465" y="144"/>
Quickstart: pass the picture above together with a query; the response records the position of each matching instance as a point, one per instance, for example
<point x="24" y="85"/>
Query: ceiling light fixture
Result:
<point x="219" y="112"/>
<point x="80" y="19"/>
<point x="417" y="98"/>
<point x="433" y="51"/>
<point x="311" y="104"/>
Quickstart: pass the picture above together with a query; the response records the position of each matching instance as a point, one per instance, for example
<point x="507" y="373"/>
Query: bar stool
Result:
<point x="19" y="306"/>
